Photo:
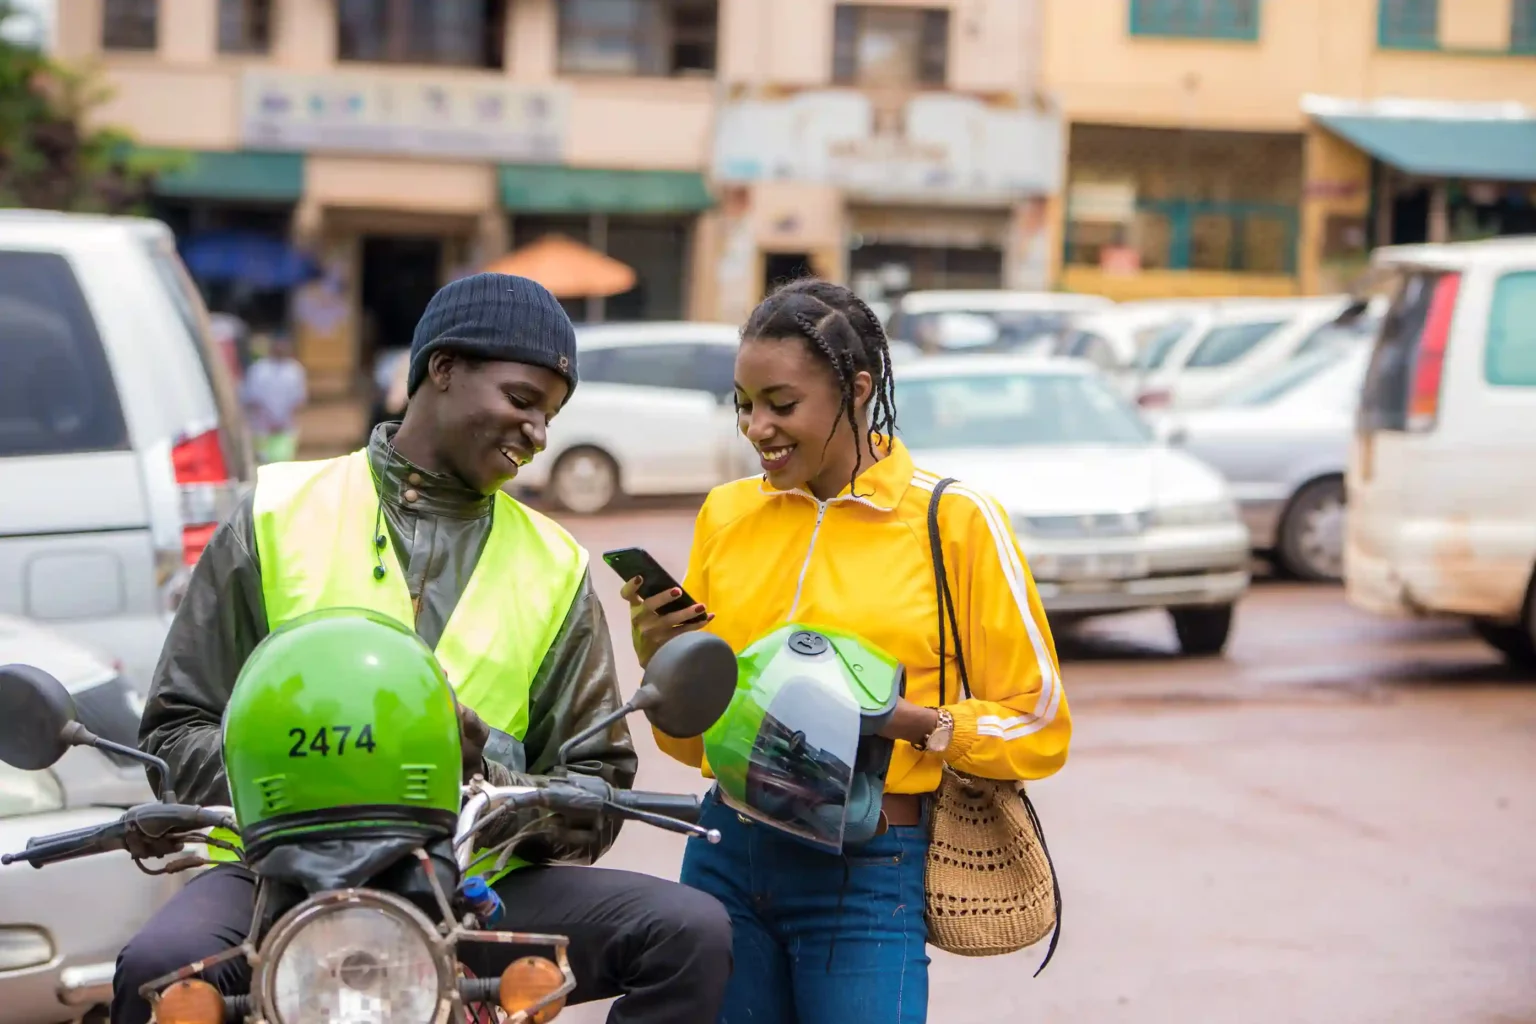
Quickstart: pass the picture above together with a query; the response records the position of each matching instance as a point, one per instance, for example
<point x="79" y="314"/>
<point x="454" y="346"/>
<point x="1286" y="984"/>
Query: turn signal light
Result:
<point x="528" y="981"/>
<point x="190" y="1002"/>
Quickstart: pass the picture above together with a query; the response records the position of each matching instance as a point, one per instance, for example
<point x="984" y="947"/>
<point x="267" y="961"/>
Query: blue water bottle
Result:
<point x="482" y="900"/>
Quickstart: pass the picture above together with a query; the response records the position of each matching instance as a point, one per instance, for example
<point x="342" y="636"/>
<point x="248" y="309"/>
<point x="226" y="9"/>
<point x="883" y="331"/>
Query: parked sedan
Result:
<point x="654" y="415"/>
<point x="61" y="928"/>
<point x="1242" y="341"/>
<point x="1283" y="445"/>
<point x="1111" y="519"/>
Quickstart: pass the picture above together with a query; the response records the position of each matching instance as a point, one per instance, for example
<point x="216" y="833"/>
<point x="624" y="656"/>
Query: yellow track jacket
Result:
<point x="861" y="562"/>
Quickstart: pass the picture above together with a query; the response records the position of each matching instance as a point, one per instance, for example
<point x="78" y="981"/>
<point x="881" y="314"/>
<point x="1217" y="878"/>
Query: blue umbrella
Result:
<point x="257" y="261"/>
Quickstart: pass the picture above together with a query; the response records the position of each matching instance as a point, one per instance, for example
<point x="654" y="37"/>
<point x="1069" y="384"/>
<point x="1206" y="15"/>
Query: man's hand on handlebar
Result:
<point x="474" y="734"/>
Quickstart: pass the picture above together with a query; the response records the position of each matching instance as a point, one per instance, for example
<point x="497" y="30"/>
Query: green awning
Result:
<point x="545" y="189"/>
<point x="1483" y="149"/>
<point x="242" y="174"/>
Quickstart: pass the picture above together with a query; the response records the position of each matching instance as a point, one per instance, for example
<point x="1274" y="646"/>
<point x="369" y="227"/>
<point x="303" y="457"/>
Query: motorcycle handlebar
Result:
<point x="155" y="823"/>
<point x="679" y="806"/>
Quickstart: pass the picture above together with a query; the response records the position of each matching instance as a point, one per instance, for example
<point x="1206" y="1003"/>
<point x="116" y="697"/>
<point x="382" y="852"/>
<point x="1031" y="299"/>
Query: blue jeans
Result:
<point x="817" y="938"/>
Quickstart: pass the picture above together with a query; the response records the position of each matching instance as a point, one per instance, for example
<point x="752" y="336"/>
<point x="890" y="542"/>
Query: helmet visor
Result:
<point x="799" y="763"/>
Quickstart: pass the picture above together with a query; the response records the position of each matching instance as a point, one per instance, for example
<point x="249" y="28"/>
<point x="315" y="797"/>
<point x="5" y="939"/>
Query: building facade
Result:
<point x="1263" y="146"/>
<point x="715" y="146"/>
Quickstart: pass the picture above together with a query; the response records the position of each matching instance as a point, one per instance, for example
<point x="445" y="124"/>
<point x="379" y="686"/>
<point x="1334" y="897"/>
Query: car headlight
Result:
<point x="353" y="956"/>
<point x="1204" y="513"/>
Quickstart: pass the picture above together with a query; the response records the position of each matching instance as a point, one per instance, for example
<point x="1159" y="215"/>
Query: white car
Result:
<point x="1237" y="342"/>
<point x="654" y="414"/>
<point x="1283" y="443"/>
<point x="1442" y="468"/>
<point x="1111" y="519"/>
<point x="122" y="441"/>
<point x="1114" y="339"/>
<point x="61" y="928"/>
<point x="995" y="320"/>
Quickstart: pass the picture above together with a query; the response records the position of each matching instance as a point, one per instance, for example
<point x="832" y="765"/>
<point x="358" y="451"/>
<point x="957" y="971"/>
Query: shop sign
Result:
<point x="937" y="146"/>
<point x="490" y="119"/>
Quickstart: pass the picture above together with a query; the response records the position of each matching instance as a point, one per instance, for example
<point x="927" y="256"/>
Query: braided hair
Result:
<point x="839" y="327"/>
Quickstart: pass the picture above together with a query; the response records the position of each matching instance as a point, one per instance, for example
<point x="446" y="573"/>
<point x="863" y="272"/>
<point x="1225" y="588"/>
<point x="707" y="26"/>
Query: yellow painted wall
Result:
<point x="1338" y="184"/>
<point x="1104" y="74"/>
<point x="1174" y="284"/>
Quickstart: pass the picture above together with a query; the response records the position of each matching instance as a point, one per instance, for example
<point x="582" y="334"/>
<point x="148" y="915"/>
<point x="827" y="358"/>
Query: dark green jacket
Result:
<point x="438" y="534"/>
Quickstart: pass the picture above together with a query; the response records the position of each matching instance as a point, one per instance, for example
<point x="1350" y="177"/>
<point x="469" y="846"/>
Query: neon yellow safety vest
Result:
<point x="314" y="524"/>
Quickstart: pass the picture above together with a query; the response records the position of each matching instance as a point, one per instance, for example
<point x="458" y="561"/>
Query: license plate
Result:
<point x="1101" y="567"/>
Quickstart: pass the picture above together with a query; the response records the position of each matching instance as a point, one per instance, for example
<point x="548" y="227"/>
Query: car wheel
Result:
<point x="1514" y="642"/>
<point x="1312" y="534"/>
<point x="584" y="481"/>
<point x="1202" y="631"/>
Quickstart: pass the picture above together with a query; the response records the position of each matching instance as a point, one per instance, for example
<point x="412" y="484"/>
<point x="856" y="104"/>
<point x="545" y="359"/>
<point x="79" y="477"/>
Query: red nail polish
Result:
<point x="677" y="593"/>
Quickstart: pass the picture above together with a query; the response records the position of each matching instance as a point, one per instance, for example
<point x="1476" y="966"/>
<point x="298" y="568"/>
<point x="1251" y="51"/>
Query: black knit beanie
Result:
<point x="495" y="316"/>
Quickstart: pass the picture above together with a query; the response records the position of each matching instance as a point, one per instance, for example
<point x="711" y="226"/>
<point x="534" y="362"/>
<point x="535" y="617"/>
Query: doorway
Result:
<point x="780" y="268"/>
<point x="401" y="273"/>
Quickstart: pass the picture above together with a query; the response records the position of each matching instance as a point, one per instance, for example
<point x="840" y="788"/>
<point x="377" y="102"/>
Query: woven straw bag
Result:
<point x="991" y="887"/>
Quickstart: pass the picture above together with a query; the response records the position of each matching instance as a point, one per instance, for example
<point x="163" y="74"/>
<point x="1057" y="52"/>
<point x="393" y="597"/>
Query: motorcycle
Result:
<point x="387" y="951"/>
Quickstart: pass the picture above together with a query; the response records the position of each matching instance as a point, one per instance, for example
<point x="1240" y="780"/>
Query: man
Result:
<point x="493" y="359"/>
<point x="273" y="392"/>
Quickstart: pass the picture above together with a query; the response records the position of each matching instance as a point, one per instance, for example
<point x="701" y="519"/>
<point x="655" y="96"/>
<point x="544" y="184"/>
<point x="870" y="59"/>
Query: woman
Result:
<point x="835" y="534"/>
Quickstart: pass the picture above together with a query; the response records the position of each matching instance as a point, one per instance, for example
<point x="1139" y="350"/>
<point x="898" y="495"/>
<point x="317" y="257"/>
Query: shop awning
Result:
<point x="1486" y="149"/>
<point x="546" y="189"/>
<point x="241" y="174"/>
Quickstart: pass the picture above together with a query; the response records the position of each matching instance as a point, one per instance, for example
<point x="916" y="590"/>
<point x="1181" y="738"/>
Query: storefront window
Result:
<point x="245" y="26"/>
<point x="1192" y="200"/>
<point x="1409" y="24"/>
<point x="130" y="24"/>
<point x="1522" y="27"/>
<point x="890" y="46"/>
<point x="638" y="37"/>
<point x="1196" y="19"/>
<point x="459" y="33"/>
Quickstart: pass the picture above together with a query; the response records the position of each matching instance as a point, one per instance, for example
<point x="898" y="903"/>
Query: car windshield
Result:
<point x="1290" y="377"/>
<point x="1155" y="353"/>
<point x="1328" y="377"/>
<point x="1013" y="410"/>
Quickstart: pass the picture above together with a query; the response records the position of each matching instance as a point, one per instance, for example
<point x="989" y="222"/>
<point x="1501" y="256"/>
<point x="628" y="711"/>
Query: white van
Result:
<point x="122" y="443"/>
<point x="1442" y="473"/>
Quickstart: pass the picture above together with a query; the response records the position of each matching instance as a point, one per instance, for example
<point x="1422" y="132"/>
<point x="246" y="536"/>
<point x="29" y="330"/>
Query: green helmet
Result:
<point x="798" y="747"/>
<point x="341" y="717"/>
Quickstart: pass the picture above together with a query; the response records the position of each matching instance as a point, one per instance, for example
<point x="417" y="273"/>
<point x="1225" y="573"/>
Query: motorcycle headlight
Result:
<point x="359" y="957"/>
<point x="1205" y="513"/>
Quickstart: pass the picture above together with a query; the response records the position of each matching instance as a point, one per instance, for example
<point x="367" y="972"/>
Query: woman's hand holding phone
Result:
<point x="649" y="629"/>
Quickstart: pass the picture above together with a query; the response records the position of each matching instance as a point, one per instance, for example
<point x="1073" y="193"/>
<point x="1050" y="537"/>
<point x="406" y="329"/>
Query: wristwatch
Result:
<point x="943" y="732"/>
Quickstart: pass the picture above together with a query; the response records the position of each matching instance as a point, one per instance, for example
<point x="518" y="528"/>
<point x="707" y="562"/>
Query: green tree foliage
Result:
<point x="51" y="157"/>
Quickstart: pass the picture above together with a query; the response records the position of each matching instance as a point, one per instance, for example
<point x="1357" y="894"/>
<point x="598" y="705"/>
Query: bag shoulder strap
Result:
<point x="948" y="624"/>
<point x="946" y="605"/>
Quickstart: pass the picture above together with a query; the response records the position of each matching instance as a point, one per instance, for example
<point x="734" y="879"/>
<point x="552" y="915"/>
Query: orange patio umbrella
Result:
<point x="567" y="268"/>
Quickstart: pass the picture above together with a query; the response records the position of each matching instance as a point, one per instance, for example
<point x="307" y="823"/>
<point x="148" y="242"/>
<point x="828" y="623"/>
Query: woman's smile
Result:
<point x="776" y="457"/>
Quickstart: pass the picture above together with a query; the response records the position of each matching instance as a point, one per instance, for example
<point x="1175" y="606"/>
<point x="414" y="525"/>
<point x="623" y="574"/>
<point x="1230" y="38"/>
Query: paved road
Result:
<point x="1336" y="822"/>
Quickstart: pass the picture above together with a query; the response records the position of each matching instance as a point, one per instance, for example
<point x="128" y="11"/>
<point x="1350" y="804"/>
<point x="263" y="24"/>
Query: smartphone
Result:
<point x="632" y="562"/>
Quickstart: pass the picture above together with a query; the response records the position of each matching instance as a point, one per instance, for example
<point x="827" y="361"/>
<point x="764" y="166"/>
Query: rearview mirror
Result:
<point x="35" y="715"/>
<point x="688" y="685"/>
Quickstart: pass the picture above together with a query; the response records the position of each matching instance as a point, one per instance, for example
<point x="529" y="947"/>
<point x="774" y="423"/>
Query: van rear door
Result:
<point x="74" y="523"/>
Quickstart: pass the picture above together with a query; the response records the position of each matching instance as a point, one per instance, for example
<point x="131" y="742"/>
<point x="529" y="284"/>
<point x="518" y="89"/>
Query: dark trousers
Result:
<point x="663" y="947"/>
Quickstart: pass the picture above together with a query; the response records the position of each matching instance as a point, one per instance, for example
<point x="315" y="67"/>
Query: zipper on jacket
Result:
<point x="821" y="513"/>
